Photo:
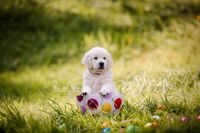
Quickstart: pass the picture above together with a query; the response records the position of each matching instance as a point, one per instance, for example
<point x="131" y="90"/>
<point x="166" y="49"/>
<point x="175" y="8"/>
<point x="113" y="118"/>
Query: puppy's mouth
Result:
<point x="101" y="67"/>
<point x="97" y="71"/>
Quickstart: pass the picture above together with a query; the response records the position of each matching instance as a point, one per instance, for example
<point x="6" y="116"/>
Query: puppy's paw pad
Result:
<point x="104" y="94"/>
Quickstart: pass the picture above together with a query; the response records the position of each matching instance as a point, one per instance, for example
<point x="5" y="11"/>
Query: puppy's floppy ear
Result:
<point x="109" y="61"/>
<point x="86" y="60"/>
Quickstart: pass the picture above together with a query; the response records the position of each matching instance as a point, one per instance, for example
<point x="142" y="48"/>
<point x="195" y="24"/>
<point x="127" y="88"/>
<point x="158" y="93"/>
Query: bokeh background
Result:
<point x="155" y="45"/>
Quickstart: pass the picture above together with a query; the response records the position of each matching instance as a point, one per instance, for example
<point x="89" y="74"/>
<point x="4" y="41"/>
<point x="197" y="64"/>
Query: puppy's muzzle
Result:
<point x="101" y="65"/>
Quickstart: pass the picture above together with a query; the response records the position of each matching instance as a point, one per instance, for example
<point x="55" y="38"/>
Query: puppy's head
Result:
<point x="97" y="60"/>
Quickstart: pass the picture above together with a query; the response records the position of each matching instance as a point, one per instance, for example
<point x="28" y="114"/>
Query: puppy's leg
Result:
<point x="107" y="89"/>
<point x="104" y="92"/>
<point x="86" y="90"/>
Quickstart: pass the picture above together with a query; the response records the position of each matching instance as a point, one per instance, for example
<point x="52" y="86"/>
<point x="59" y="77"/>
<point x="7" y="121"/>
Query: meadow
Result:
<point x="155" y="45"/>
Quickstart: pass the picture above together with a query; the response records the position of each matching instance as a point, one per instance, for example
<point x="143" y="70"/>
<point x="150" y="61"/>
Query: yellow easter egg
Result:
<point x="106" y="107"/>
<point x="106" y="124"/>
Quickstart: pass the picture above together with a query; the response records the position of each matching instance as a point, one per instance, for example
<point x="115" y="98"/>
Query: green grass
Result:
<point x="155" y="46"/>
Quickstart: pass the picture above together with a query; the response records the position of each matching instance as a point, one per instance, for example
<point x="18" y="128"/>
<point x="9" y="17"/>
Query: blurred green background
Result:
<point x="46" y="32"/>
<point x="152" y="42"/>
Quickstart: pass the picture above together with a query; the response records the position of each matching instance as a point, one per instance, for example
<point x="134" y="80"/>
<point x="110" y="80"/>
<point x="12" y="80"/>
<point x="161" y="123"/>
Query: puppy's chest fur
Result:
<point x="96" y="82"/>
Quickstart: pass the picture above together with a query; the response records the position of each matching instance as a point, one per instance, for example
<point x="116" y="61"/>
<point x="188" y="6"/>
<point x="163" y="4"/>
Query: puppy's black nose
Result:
<point x="101" y="64"/>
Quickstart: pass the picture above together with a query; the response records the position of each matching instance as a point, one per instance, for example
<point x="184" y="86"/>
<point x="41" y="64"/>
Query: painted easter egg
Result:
<point x="79" y="98"/>
<point x="155" y="124"/>
<point x="92" y="104"/>
<point x="185" y="119"/>
<point x="83" y="109"/>
<point x="131" y="129"/>
<point x="106" y="130"/>
<point x="198" y="118"/>
<point x="118" y="103"/>
<point x="106" y="124"/>
<point x="156" y="117"/>
<point x="107" y="107"/>
<point x="149" y="124"/>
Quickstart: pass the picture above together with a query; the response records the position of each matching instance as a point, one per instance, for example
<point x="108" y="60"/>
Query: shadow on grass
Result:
<point x="31" y="35"/>
<point x="157" y="14"/>
<point x="22" y="90"/>
<point x="164" y="9"/>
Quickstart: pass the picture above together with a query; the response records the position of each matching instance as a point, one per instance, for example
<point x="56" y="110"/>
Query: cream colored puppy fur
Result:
<point x="98" y="76"/>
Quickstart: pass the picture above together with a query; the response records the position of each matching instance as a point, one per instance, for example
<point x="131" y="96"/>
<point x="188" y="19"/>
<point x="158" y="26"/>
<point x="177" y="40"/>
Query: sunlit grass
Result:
<point x="156" y="62"/>
<point x="146" y="79"/>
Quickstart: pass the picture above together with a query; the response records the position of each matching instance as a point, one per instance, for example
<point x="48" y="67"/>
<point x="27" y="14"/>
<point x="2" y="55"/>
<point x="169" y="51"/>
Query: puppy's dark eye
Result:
<point x="95" y="58"/>
<point x="104" y="58"/>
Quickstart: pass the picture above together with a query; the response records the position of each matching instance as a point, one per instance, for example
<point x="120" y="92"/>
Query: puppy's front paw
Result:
<point x="104" y="93"/>
<point x="84" y="93"/>
<point x="86" y="90"/>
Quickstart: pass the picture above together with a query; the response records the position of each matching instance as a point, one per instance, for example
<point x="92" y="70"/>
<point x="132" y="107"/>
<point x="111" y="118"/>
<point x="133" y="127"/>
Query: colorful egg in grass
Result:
<point x="198" y="118"/>
<point x="149" y="124"/>
<point x="96" y="104"/>
<point x="106" y="124"/>
<point x="81" y="103"/>
<point x="83" y="109"/>
<point x="185" y="119"/>
<point x="118" y="103"/>
<point x="107" y="107"/>
<point x="79" y="98"/>
<point x="92" y="104"/>
<point x="155" y="124"/>
<point x="106" y="130"/>
<point x="156" y="117"/>
<point x="132" y="129"/>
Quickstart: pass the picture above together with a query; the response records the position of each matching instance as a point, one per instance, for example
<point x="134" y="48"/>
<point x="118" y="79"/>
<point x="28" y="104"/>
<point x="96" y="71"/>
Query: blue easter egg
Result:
<point x="106" y="130"/>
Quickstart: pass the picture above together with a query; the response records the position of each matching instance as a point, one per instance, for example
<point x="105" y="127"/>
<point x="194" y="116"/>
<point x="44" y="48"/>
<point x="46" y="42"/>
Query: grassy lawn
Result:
<point x="155" y="45"/>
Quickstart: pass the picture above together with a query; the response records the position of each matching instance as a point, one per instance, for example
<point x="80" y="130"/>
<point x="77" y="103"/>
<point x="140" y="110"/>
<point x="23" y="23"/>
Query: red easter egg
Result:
<point x="198" y="118"/>
<point x="79" y="98"/>
<point x="118" y="103"/>
<point x="92" y="104"/>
